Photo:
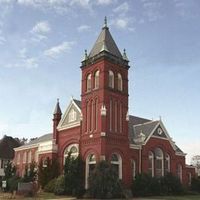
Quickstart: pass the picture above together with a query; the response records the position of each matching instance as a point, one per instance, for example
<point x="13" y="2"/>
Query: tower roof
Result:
<point x="105" y="42"/>
<point x="57" y="108"/>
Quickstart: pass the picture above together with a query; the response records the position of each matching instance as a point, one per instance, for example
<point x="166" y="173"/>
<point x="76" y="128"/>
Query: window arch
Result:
<point x="159" y="165"/>
<point x="151" y="163"/>
<point x="90" y="166"/>
<point x="96" y="79"/>
<point x="167" y="163"/>
<point x="119" y="82"/>
<point x="73" y="149"/>
<point x="189" y="178"/>
<point x="89" y="83"/>
<point x="111" y="79"/>
<point x="72" y="115"/>
<point x="133" y="168"/>
<point x="180" y="172"/>
<point x="116" y="162"/>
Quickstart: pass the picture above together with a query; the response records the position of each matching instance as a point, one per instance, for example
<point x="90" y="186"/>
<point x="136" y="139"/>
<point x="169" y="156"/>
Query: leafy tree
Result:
<point x="104" y="182"/>
<point x="74" y="176"/>
<point x="47" y="170"/>
<point x="9" y="170"/>
<point x="30" y="173"/>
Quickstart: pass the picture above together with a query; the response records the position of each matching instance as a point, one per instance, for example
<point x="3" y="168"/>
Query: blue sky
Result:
<point x="42" y="43"/>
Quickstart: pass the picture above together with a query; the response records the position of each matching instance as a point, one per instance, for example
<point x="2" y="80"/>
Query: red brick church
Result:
<point x="99" y="126"/>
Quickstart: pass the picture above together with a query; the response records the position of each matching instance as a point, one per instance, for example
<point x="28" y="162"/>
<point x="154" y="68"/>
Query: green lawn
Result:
<point x="185" y="197"/>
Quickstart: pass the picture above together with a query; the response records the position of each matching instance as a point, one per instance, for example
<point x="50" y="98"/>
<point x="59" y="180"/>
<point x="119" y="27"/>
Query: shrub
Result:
<point x="171" y="184"/>
<point x="12" y="183"/>
<point x="50" y="186"/>
<point x="145" y="185"/>
<point x="59" y="188"/>
<point x="104" y="182"/>
<point x="195" y="184"/>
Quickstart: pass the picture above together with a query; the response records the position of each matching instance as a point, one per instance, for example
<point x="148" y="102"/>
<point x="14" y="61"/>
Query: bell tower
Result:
<point x="104" y="99"/>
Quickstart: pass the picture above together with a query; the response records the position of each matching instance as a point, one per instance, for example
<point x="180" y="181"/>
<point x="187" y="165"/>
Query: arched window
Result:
<point x="111" y="79"/>
<point x="167" y="163"/>
<point x="119" y="82"/>
<point x="24" y="157"/>
<point x="73" y="149"/>
<point x="96" y="79"/>
<point x="89" y="84"/>
<point x="90" y="166"/>
<point x="116" y="163"/>
<point x="133" y="168"/>
<point x="180" y="172"/>
<point x="29" y="157"/>
<point x="159" y="165"/>
<point x="151" y="163"/>
<point x="189" y="178"/>
<point x="72" y="115"/>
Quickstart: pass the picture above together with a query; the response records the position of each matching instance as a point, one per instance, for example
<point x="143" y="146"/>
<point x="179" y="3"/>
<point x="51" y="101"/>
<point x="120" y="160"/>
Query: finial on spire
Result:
<point x="105" y="22"/>
<point x="125" y="56"/>
<point x="57" y="109"/>
<point x="85" y="55"/>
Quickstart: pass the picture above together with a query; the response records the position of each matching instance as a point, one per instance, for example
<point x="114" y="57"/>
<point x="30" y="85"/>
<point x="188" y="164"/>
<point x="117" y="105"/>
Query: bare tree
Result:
<point x="196" y="162"/>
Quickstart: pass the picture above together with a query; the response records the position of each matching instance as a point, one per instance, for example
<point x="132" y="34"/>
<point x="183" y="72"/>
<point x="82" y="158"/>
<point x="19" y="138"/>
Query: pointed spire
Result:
<point x="105" y="23"/>
<point x="125" y="56"/>
<point x="106" y="42"/>
<point x="57" y="108"/>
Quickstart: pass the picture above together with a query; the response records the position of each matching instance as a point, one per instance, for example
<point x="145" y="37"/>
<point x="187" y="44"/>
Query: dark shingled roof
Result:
<point x="7" y="145"/>
<point x="43" y="138"/>
<point x="145" y="128"/>
<point x="57" y="109"/>
<point x="77" y="102"/>
<point x="105" y="42"/>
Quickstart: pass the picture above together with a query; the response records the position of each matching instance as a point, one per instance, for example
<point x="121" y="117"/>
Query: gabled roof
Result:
<point x="141" y="130"/>
<point x="77" y="102"/>
<point x="145" y="128"/>
<point x="105" y="42"/>
<point x="64" y="123"/>
<point x="43" y="138"/>
<point x="7" y="145"/>
<point x="35" y="142"/>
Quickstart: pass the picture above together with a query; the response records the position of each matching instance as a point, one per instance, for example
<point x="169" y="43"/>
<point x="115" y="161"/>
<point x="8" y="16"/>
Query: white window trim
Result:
<point x="88" y="162"/>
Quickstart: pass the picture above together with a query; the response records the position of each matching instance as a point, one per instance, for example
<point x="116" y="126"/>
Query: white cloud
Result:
<point x="151" y="10"/>
<point x="120" y="23"/>
<point x="40" y="30"/>
<point x="27" y="63"/>
<point x="23" y="61"/>
<point x="123" y="8"/>
<point x="41" y="27"/>
<point x="83" y="28"/>
<point x="55" y="51"/>
<point x="2" y="40"/>
<point x="105" y="2"/>
<point x="6" y="1"/>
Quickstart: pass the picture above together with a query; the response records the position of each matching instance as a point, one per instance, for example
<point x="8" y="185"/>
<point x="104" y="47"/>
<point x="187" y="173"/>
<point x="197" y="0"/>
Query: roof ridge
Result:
<point x="149" y="122"/>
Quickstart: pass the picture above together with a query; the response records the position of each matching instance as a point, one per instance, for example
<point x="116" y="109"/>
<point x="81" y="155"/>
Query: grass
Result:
<point x="185" y="197"/>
